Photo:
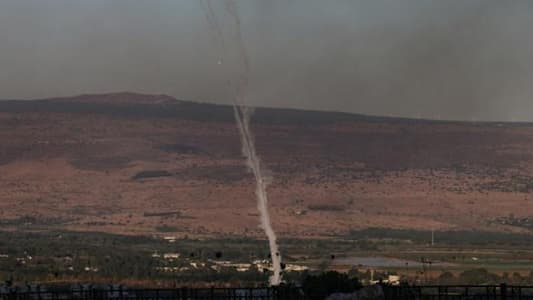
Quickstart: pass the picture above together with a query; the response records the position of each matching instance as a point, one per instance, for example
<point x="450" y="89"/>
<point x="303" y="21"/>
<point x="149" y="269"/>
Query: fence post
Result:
<point x="503" y="291"/>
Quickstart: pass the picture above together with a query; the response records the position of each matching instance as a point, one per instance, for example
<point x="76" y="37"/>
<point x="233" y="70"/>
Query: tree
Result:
<point x="325" y="284"/>
<point x="478" y="276"/>
<point x="447" y="278"/>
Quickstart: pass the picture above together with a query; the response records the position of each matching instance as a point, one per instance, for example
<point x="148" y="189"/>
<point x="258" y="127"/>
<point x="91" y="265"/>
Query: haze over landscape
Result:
<point x="466" y="60"/>
<point x="298" y="148"/>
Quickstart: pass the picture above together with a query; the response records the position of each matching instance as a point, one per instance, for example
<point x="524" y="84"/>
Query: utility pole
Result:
<point x="432" y="237"/>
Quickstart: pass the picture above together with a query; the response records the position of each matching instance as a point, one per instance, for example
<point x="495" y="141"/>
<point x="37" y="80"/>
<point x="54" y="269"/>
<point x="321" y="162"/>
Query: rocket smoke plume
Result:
<point x="242" y="116"/>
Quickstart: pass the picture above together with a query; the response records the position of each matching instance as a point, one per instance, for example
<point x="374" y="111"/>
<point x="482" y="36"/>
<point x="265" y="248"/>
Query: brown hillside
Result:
<point x="140" y="164"/>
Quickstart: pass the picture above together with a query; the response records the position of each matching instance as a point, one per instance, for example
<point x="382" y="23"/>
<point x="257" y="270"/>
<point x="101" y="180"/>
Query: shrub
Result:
<point x="325" y="284"/>
<point x="151" y="174"/>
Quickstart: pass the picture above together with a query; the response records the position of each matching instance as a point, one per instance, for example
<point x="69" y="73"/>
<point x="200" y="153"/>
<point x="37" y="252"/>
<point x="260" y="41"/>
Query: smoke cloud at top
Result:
<point x="435" y="59"/>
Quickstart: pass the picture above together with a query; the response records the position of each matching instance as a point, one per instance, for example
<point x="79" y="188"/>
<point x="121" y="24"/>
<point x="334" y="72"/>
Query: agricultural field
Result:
<point x="373" y="254"/>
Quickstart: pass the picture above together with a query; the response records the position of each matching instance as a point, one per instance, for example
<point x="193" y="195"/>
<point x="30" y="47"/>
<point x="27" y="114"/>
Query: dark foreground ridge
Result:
<point x="377" y="292"/>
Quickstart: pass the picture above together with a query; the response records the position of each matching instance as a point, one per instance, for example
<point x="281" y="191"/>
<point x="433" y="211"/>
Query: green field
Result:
<point x="64" y="256"/>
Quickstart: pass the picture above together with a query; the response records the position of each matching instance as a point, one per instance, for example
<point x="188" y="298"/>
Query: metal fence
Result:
<point x="155" y="294"/>
<point x="459" y="292"/>
<point x="403" y="292"/>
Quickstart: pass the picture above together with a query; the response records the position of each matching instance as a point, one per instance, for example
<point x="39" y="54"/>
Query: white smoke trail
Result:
<point x="242" y="116"/>
<point x="213" y="23"/>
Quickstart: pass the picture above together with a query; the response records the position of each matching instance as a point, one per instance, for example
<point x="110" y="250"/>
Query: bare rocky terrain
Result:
<point x="150" y="164"/>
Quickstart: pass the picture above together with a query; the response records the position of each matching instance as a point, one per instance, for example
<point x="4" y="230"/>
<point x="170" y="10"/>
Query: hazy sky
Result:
<point x="453" y="59"/>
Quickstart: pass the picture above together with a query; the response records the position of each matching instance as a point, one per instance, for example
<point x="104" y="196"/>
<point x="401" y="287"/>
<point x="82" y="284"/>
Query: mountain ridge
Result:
<point x="132" y="98"/>
<point x="98" y="165"/>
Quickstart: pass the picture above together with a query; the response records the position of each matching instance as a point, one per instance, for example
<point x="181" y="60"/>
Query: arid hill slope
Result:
<point x="142" y="164"/>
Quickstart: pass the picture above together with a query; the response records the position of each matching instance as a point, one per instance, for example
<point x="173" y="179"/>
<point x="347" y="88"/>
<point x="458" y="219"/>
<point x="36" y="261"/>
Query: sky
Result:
<point x="453" y="59"/>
